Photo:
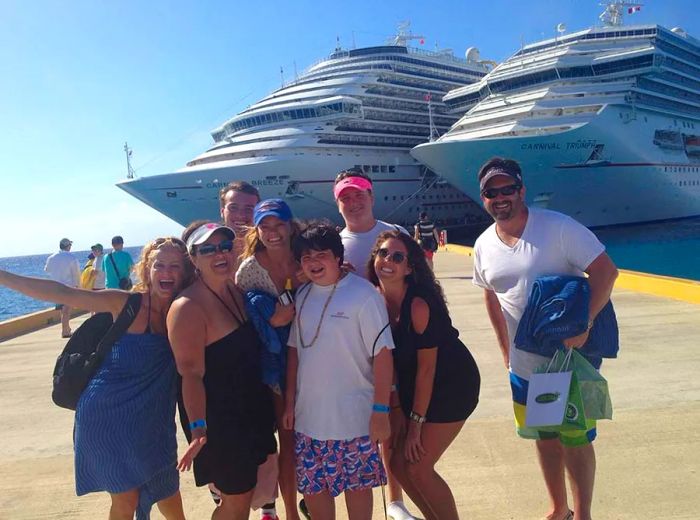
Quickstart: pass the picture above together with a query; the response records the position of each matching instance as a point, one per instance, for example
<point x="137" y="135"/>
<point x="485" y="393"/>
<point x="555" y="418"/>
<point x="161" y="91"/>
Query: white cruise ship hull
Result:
<point x="304" y="179"/>
<point x="630" y="180"/>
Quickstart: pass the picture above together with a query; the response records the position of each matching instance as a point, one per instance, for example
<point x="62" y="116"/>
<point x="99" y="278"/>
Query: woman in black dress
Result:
<point x="228" y="415"/>
<point x="436" y="377"/>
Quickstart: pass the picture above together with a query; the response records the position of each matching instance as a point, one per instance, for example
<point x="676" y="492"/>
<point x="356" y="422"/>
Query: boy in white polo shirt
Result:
<point x="339" y="375"/>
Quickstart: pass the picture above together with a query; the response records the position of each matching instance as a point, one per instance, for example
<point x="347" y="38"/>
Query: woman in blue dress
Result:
<point x="124" y="432"/>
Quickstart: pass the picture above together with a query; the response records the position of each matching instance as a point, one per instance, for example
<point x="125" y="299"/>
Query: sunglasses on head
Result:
<point x="397" y="256"/>
<point x="225" y="246"/>
<point x="492" y="193"/>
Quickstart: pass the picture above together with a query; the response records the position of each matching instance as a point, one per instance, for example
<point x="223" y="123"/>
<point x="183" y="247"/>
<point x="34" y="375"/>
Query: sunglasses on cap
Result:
<point x="225" y="246"/>
<point x="397" y="256"/>
<point x="492" y="193"/>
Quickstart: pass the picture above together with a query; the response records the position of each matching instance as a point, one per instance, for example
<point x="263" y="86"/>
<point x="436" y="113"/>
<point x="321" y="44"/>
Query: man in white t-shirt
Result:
<point x="353" y="194"/>
<point x="64" y="268"/>
<point x="520" y="246"/>
<point x="339" y="373"/>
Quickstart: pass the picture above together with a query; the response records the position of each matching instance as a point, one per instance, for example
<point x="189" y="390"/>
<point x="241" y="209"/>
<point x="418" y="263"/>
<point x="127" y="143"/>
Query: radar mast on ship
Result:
<point x="615" y="11"/>
<point x="404" y="35"/>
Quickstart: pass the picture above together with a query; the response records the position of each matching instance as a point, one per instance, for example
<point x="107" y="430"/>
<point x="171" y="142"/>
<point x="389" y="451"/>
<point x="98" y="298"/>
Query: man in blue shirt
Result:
<point x="117" y="265"/>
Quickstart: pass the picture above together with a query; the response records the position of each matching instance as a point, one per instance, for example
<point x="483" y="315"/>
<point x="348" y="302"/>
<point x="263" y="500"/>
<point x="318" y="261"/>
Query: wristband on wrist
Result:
<point x="381" y="408"/>
<point x="199" y="423"/>
<point x="416" y="417"/>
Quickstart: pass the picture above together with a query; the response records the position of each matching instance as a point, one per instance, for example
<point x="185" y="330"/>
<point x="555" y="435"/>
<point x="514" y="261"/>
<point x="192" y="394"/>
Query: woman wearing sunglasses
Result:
<point x="124" y="431"/>
<point x="225" y="409"/>
<point x="436" y="377"/>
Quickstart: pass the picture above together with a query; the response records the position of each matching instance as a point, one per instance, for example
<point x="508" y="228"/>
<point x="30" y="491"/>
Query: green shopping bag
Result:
<point x="574" y="416"/>
<point x="594" y="388"/>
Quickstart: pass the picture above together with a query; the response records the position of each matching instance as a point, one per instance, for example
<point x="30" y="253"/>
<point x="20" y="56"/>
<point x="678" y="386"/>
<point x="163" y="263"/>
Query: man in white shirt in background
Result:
<point x="64" y="268"/>
<point x="353" y="194"/>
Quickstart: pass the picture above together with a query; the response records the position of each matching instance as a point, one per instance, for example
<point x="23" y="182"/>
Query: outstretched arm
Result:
<point x="49" y="290"/>
<point x="498" y="322"/>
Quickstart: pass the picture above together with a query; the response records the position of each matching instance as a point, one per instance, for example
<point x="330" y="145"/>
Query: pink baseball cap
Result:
<point x="359" y="183"/>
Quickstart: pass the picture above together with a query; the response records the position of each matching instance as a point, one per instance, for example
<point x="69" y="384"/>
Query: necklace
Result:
<point x="320" y="321"/>
<point x="235" y="303"/>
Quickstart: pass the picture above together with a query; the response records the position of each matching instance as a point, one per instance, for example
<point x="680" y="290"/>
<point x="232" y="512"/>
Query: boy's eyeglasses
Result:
<point x="397" y="256"/>
<point x="509" y="190"/>
<point x="225" y="246"/>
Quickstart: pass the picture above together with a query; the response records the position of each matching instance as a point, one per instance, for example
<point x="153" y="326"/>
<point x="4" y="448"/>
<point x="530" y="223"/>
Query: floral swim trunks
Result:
<point x="337" y="466"/>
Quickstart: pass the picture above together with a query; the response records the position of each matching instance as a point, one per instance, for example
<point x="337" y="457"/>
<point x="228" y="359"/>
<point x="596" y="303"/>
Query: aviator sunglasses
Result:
<point x="492" y="193"/>
<point x="225" y="246"/>
<point x="397" y="256"/>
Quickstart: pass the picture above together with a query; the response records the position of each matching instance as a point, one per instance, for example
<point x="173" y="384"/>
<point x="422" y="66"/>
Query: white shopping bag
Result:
<point x="547" y="395"/>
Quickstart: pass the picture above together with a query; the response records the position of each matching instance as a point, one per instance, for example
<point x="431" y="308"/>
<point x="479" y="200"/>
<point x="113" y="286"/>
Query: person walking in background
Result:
<point x="124" y="432"/>
<point x="117" y="266"/>
<point x="236" y="204"/>
<point x="63" y="267"/>
<point x="98" y="267"/>
<point x="353" y="194"/>
<point x="426" y="235"/>
<point x="522" y="245"/>
<point x="436" y="376"/>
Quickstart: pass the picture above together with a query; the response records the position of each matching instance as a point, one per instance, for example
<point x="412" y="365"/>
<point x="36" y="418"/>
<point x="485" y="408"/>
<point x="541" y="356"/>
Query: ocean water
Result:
<point x="14" y="304"/>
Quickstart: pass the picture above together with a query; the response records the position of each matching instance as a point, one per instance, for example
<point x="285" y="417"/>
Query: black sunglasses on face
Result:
<point x="492" y="193"/>
<point x="225" y="246"/>
<point x="397" y="256"/>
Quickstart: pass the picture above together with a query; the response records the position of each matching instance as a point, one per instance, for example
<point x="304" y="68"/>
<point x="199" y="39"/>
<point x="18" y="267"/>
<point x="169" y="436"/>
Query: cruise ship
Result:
<point x="605" y="123"/>
<point x="359" y="108"/>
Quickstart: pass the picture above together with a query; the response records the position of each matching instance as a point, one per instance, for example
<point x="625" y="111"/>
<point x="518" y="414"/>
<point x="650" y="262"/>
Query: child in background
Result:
<point x="339" y="374"/>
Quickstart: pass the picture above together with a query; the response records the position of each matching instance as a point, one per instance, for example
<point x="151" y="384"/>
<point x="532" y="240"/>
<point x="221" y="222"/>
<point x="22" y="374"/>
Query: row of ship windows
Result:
<point x="426" y="197"/>
<point x="549" y="75"/>
<point x="423" y="63"/>
<point x="662" y="88"/>
<point x="376" y="168"/>
<point x="677" y="51"/>
<point x="664" y="103"/>
<point x="689" y="183"/>
<point x="288" y="115"/>
<point x="590" y="36"/>
<point x="683" y="169"/>
<point x="384" y="66"/>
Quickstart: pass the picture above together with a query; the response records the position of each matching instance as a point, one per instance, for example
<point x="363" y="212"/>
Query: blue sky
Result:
<point x="79" y="78"/>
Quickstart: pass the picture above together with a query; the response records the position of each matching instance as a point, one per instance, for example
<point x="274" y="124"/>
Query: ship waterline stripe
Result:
<point x="628" y="165"/>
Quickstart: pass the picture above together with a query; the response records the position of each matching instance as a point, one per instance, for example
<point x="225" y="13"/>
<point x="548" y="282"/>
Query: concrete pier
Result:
<point x="648" y="456"/>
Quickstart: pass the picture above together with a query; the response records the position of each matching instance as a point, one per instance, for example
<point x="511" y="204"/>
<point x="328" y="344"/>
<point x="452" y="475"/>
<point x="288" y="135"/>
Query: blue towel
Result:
<point x="558" y="309"/>
<point x="260" y="306"/>
<point x="125" y="423"/>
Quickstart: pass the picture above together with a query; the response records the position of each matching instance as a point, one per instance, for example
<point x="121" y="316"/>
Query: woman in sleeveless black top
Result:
<point x="225" y="409"/>
<point x="437" y="379"/>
